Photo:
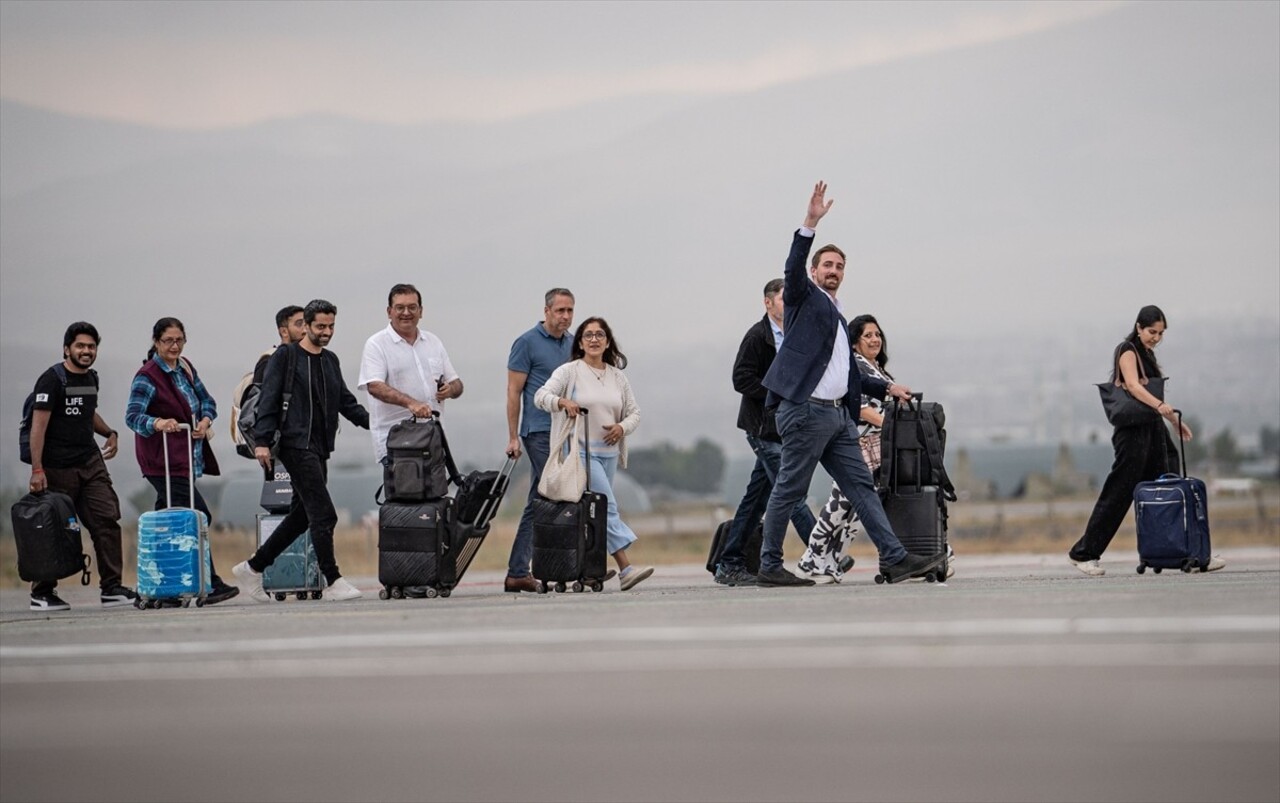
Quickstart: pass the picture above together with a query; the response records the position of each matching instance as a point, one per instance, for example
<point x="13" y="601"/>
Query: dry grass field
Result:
<point x="682" y="535"/>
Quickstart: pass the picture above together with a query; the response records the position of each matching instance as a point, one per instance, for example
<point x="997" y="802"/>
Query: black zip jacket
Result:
<point x="295" y="430"/>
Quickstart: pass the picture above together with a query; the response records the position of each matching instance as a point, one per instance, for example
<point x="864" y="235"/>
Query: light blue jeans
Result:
<point x="603" y="468"/>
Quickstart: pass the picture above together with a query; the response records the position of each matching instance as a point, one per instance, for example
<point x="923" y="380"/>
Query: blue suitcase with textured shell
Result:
<point x="174" y="566"/>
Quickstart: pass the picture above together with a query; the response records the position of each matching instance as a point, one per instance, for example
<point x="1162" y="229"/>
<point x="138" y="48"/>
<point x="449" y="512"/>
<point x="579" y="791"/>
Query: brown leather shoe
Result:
<point x="517" y="584"/>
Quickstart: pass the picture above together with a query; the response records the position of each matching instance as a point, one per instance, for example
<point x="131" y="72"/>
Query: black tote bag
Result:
<point x="1122" y="409"/>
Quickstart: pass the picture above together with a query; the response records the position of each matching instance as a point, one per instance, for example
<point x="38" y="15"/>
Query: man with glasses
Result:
<point x="534" y="355"/>
<point x="405" y="370"/>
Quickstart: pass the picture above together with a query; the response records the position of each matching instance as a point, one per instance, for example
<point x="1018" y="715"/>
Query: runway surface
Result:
<point x="1020" y="679"/>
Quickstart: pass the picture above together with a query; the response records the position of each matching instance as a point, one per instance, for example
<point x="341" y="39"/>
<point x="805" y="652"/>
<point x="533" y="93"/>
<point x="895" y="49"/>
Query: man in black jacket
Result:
<point x="755" y="355"/>
<point x="301" y="397"/>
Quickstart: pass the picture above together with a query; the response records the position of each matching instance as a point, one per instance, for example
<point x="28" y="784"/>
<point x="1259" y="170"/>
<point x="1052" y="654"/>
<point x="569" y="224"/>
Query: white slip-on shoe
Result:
<point x="340" y="590"/>
<point x="1215" y="563"/>
<point x="1089" y="567"/>
<point x="633" y="577"/>
<point x="250" y="581"/>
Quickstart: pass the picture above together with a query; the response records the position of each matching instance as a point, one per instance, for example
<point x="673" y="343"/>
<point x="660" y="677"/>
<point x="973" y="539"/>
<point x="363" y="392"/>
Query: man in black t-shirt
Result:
<point x="65" y="458"/>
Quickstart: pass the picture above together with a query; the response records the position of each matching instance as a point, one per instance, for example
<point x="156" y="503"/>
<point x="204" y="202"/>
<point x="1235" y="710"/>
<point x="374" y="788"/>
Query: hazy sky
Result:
<point x="198" y="64"/>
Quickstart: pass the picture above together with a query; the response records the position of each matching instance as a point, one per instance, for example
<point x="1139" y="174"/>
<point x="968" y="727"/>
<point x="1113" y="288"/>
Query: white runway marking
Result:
<point x="848" y="644"/>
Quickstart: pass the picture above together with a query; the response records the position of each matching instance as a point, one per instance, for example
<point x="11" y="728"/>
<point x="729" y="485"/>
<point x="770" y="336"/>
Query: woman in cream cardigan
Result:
<point x="594" y="380"/>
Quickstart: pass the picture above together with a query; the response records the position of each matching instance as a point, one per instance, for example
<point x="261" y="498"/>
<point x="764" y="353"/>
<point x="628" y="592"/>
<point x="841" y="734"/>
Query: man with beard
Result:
<point x="302" y="394"/>
<point x="814" y="383"/>
<point x="65" y="458"/>
<point x="405" y="370"/>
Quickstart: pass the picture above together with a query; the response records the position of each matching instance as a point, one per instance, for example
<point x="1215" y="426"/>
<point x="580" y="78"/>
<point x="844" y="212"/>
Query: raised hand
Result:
<point x="818" y="206"/>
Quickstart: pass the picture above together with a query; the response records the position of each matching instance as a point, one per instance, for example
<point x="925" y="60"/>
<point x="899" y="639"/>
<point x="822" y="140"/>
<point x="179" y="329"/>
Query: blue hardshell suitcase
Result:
<point x="174" y="566"/>
<point x="1172" y="517"/>
<point x="297" y="570"/>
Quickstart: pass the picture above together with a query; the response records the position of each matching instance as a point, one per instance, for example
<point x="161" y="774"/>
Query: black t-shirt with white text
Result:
<point x="68" y="442"/>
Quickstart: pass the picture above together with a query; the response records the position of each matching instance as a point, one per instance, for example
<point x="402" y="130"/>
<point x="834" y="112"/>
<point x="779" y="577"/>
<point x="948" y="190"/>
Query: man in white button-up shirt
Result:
<point x="404" y="369"/>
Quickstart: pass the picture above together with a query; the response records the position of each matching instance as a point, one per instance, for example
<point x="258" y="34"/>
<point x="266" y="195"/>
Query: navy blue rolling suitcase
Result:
<point x="570" y="543"/>
<point x="1172" y="516"/>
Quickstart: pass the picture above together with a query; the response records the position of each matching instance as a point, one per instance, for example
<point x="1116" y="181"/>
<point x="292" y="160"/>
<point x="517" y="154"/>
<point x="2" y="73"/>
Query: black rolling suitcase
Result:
<point x="750" y="550"/>
<point x="917" y="512"/>
<point x="47" y="536"/>
<point x="570" y="540"/>
<point x="415" y="544"/>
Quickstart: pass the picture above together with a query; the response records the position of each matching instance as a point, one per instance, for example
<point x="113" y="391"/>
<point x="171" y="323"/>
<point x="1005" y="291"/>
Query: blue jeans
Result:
<point x="602" y="470"/>
<point x="538" y="446"/>
<point x="756" y="499"/>
<point x="813" y="434"/>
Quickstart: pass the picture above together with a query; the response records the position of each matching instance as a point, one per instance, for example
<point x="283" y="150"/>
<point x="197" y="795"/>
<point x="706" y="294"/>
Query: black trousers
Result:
<point x="98" y="509"/>
<point x="180" y="495"/>
<point x="311" y="508"/>
<point x="1143" y="453"/>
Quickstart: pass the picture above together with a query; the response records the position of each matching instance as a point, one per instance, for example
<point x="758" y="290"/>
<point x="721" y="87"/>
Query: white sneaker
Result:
<point x="250" y="582"/>
<point x="340" y="591"/>
<point x="633" y="578"/>
<point x="1089" y="567"/>
<point x="1215" y="563"/>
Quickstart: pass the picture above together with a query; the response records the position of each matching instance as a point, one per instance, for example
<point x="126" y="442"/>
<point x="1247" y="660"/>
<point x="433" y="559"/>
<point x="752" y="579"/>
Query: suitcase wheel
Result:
<point x="559" y="588"/>
<point x="397" y="592"/>
<point x="542" y="586"/>
<point x="577" y="586"/>
<point x="317" y="594"/>
<point x="1155" y="569"/>
<point x="432" y="593"/>
<point x="199" y="602"/>
<point x="186" y="603"/>
<point x="930" y="578"/>
<point x="880" y="579"/>
<point x="300" y="595"/>
<point x="942" y="575"/>
<point x="279" y="596"/>
<point x="383" y="593"/>
<point x="597" y="585"/>
<point x="1142" y="568"/>
<point x="444" y="592"/>
<point x="1188" y="565"/>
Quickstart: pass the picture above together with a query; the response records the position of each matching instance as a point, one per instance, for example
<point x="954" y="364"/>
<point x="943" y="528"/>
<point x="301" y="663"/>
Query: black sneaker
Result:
<point x="912" y="566"/>
<point x="846" y="563"/>
<point x="781" y="577"/>
<point x="734" y="576"/>
<point x="221" y="593"/>
<point x="117" y="596"/>
<point x="48" y="602"/>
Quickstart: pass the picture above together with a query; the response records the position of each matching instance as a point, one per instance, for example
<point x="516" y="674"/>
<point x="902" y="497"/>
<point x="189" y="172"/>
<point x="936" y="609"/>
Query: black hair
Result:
<point x="158" y="331"/>
<point x="285" y="313"/>
<point x="1149" y="315"/>
<point x="855" y="332"/>
<point x="401" y="290"/>
<point x="612" y="355"/>
<point x="317" y="306"/>
<point x="79" y="328"/>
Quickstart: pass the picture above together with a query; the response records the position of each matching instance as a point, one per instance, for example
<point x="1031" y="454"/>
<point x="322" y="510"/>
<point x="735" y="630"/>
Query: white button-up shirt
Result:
<point x="414" y="369"/>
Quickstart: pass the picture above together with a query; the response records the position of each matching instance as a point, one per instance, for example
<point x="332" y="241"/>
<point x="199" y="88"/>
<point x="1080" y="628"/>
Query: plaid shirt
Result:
<point x="141" y="392"/>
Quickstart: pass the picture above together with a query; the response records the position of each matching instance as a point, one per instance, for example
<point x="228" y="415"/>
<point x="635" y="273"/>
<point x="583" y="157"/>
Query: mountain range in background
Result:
<point x="1006" y="210"/>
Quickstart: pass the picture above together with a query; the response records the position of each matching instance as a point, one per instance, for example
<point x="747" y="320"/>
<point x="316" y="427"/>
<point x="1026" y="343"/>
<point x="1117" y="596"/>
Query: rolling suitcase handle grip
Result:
<point x="191" y="467"/>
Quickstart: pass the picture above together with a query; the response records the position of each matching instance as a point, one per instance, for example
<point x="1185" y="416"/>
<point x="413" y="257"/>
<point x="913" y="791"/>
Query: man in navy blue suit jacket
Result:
<point x="815" y="384"/>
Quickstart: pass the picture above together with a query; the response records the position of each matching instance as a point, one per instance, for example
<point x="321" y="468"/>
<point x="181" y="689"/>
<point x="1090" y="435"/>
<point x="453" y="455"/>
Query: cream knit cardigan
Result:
<point x="562" y="379"/>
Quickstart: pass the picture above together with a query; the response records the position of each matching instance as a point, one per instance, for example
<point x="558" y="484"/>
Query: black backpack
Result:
<point x="913" y="442"/>
<point x="47" y="536"/>
<point x="245" y="414"/>
<point x="24" y="428"/>
<point x="419" y="465"/>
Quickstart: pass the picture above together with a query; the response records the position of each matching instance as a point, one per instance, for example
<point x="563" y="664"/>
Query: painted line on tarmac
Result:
<point x="717" y="659"/>
<point x="697" y="634"/>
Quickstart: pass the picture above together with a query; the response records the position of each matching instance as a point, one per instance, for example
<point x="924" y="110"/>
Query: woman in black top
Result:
<point x="1143" y="452"/>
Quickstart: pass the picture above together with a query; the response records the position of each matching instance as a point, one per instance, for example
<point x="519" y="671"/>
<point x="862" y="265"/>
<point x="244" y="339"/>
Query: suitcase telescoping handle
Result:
<point x="191" y="467"/>
<point x="1182" y="445"/>
<point x="586" y="446"/>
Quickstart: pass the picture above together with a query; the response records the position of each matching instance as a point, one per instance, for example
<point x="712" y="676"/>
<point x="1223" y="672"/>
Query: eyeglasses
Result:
<point x="172" y="341"/>
<point x="593" y="336"/>
<point x="401" y="309"/>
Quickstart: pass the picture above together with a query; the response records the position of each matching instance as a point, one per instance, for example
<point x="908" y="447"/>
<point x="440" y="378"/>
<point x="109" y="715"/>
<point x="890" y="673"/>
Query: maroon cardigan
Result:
<point x="169" y="403"/>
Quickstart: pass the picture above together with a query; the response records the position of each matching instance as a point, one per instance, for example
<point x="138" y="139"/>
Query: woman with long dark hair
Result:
<point x="594" y="380"/>
<point x="1143" y="451"/>
<point x="166" y="393"/>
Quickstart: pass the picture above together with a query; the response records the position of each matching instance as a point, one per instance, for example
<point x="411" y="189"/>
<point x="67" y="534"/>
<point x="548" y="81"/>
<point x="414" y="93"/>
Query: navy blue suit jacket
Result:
<point x="809" y="322"/>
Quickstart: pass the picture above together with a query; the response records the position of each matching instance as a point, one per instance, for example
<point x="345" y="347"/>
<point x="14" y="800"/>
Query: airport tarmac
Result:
<point x="1020" y="679"/>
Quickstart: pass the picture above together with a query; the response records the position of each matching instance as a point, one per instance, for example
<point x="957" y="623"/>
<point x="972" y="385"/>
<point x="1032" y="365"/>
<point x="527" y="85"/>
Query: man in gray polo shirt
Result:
<point x="534" y="355"/>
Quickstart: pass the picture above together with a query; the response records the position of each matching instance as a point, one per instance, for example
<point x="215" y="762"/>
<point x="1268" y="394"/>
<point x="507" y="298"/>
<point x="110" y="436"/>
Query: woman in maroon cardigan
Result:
<point x="166" y="393"/>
